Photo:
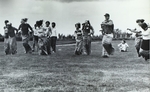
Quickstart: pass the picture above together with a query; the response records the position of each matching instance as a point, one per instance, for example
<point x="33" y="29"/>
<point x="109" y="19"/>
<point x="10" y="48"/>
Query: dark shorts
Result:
<point x="145" y="45"/>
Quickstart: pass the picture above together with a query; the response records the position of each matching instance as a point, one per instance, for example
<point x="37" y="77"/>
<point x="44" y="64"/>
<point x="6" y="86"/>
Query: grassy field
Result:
<point x="66" y="72"/>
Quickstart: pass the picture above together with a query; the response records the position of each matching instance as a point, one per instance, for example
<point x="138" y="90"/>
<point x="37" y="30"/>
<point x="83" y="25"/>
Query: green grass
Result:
<point x="66" y="72"/>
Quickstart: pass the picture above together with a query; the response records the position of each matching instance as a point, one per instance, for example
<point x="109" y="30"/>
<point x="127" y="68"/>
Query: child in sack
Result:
<point x="79" y="39"/>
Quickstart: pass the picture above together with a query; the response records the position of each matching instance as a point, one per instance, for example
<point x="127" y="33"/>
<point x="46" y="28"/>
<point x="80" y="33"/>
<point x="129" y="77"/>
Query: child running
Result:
<point x="88" y="31"/>
<point x="79" y="39"/>
<point x="10" y="39"/>
<point x="138" y="36"/>
<point x="25" y="27"/>
<point x="145" y="44"/>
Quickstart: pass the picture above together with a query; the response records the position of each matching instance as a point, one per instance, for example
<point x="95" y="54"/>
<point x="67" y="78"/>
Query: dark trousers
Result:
<point x="53" y="43"/>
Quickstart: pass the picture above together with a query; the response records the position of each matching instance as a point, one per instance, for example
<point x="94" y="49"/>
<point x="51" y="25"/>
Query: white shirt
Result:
<point x="41" y="32"/>
<point x="123" y="46"/>
<point x="6" y="30"/>
<point x="146" y="34"/>
<point x="35" y="32"/>
<point x="139" y="29"/>
<point x="48" y="31"/>
<point x="54" y="33"/>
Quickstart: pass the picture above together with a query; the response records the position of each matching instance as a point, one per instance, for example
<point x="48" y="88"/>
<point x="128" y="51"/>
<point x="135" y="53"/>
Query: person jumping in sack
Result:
<point x="107" y="31"/>
<point x="87" y="30"/>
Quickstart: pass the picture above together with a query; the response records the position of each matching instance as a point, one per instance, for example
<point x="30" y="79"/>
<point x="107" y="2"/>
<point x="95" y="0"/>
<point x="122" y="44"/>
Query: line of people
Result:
<point x="83" y="37"/>
<point x="44" y="37"/>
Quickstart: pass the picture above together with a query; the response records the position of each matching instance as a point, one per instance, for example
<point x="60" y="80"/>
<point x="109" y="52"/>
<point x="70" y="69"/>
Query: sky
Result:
<point x="68" y="12"/>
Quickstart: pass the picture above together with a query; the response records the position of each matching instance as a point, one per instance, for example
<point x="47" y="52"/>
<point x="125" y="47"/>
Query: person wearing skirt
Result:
<point x="10" y="44"/>
<point x="144" y="31"/>
<point x="145" y="47"/>
<point x="79" y="39"/>
<point x="138" y="36"/>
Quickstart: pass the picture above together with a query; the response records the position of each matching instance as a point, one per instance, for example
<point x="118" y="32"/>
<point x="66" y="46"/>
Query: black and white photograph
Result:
<point x="74" y="45"/>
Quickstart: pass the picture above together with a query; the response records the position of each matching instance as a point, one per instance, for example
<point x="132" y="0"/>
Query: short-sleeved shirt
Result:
<point x="123" y="46"/>
<point x="146" y="34"/>
<point x="35" y="32"/>
<point x="107" y="26"/>
<point x="48" y="31"/>
<point x="25" y="28"/>
<point x="41" y="32"/>
<point x="138" y="35"/>
<point x="54" y="32"/>
<point x="78" y="35"/>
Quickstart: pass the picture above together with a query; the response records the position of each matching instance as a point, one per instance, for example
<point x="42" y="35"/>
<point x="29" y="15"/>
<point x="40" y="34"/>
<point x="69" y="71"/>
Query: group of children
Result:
<point x="142" y="40"/>
<point x="83" y="38"/>
<point x="10" y="44"/>
<point x="44" y="37"/>
<point x="123" y="46"/>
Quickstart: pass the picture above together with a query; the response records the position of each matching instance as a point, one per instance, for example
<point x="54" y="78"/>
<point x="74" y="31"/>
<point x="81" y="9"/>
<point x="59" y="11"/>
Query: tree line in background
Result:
<point x="118" y="35"/>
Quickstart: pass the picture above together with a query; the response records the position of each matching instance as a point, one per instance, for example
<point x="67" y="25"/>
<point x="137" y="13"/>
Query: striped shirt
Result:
<point x="78" y="35"/>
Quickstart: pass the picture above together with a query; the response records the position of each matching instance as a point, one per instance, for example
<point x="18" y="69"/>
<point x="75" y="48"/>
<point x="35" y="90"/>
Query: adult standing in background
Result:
<point x="107" y="31"/>
<point x="25" y="27"/>
<point x="87" y="32"/>
<point x="10" y="38"/>
<point x="53" y="37"/>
